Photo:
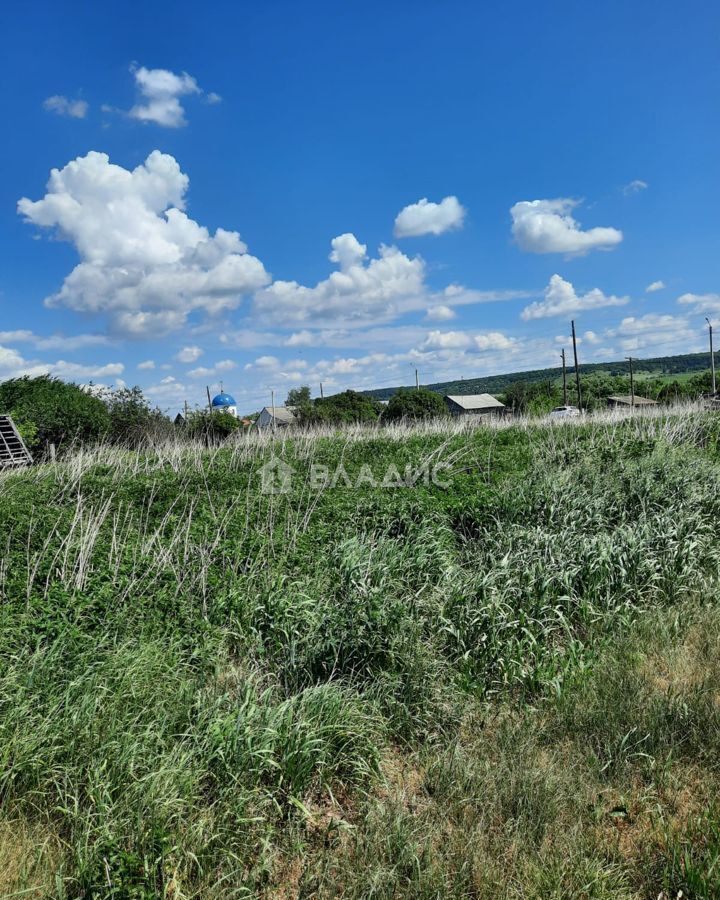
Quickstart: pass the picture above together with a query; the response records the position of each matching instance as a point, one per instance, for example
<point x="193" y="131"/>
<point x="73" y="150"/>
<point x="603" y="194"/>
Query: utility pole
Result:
<point x="322" y="396"/>
<point x="712" y="357"/>
<point x="632" y="383"/>
<point x="207" y="389"/>
<point x="562" y="356"/>
<point x="577" y="371"/>
<point x="185" y="408"/>
<point x="417" y="383"/>
<point x="272" y="406"/>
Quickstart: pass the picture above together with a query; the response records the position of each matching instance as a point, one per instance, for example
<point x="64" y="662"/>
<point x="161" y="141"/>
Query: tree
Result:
<point x="299" y="399"/>
<point x="211" y="426"/>
<point x="415" y="404"/>
<point x="348" y="407"/>
<point x="298" y="396"/>
<point x="132" y="420"/>
<point x="56" y="412"/>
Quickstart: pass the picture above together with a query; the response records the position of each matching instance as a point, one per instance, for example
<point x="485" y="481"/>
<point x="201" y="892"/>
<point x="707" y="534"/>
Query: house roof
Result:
<point x="627" y="400"/>
<point x="475" y="401"/>
<point x="282" y="413"/>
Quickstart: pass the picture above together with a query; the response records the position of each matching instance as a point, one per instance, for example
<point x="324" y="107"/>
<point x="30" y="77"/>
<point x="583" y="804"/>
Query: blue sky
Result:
<point x="277" y="194"/>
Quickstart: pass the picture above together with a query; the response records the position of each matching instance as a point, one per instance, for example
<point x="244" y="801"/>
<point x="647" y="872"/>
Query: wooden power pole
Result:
<point x="321" y="391"/>
<point x="577" y="370"/>
<point x="417" y="382"/>
<point x="562" y="355"/>
<point x="712" y="357"/>
<point x="272" y="406"/>
<point x="207" y="390"/>
<point x="632" y="382"/>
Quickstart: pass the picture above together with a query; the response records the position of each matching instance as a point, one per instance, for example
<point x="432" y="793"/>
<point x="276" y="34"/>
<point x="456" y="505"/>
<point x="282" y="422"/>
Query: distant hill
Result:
<point x="495" y="384"/>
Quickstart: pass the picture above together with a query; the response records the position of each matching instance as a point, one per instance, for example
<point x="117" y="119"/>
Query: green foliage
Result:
<point x="415" y="405"/>
<point x="299" y="399"/>
<point x="347" y="407"/>
<point x="133" y="422"/>
<point x="54" y="411"/>
<point x="660" y="368"/>
<point x="211" y="426"/>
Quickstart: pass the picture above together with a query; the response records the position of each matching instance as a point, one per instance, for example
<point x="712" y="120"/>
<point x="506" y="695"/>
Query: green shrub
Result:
<point x="59" y="412"/>
<point x="415" y="405"/>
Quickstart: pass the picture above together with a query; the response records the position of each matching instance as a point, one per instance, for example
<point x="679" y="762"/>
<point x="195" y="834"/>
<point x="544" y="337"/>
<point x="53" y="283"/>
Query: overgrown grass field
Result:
<point x="502" y="685"/>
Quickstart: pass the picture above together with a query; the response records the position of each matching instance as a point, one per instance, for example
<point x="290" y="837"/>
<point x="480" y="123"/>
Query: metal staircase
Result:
<point x="13" y="451"/>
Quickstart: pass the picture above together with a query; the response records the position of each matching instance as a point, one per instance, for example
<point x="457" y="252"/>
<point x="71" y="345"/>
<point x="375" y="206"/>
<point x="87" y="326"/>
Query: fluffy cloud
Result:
<point x="651" y="322"/>
<point x="425" y="217"/>
<point x="189" y="354"/>
<point x="561" y="299"/>
<point x="461" y="340"/>
<point x="380" y="288"/>
<point x="547" y="226"/>
<point x="634" y="187"/>
<point x="447" y="340"/>
<point x="656" y="332"/>
<point x="146" y="365"/>
<point x="225" y="365"/>
<point x="701" y="303"/>
<point x="13" y="365"/>
<point x="145" y="264"/>
<point x="654" y="286"/>
<point x="161" y="91"/>
<point x="440" y="313"/>
<point x="54" y="341"/>
<point x="73" y="109"/>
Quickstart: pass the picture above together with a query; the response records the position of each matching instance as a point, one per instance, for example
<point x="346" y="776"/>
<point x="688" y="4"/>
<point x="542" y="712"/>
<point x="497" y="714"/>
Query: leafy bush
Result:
<point x="348" y="407"/>
<point x="415" y="404"/>
<point x="132" y="420"/>
<point x="58" y="412"/>
<point x="211" y="426"/>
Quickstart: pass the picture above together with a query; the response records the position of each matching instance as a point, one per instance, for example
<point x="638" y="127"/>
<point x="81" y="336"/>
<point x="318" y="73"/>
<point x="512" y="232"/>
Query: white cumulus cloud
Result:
<point x="380" y="288"/>
<point x="426" y="217"/>
<point x="701" y="303"/>
<point x="73" y="109"/>
<point x="440" y="313"/>
<point x="547" y="226"/>
<point x="161" y="91"/>
<point x="654" y="286"/>
<point x="189" y="354"/>
<point x="561" y="299"/>
<point x="145" y="264"/>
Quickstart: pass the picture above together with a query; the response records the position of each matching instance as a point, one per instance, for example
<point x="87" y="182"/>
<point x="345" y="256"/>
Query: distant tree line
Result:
<point x="495" y="384"/>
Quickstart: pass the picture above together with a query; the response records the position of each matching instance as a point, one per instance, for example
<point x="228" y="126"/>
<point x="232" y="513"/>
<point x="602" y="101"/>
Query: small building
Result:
<point x="622" y="401"/>
<point x="179" y="420"/>
<point x="223" y="402"/>
<point x="284" y="416"/>
<point x="474" y="405"/>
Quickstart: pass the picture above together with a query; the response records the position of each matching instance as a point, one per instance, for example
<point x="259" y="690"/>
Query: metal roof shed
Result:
<point x="474" y="404"/>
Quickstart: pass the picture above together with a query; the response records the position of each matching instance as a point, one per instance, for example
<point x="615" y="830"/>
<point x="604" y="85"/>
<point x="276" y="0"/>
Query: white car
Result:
<point x="564" y="412"/>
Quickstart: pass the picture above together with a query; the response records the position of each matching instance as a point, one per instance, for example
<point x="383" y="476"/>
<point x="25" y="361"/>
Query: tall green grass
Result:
<point x="208" y="691"/>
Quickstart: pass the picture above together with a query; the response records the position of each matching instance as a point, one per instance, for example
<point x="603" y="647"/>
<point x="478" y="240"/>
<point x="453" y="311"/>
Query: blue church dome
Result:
<point x="221" y="400"/>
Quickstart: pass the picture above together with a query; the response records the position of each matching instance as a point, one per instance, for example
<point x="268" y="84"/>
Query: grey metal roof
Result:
<point x="282" y="413"/>
<point x="475" y="401"/>
<point x="627" y="400"/>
